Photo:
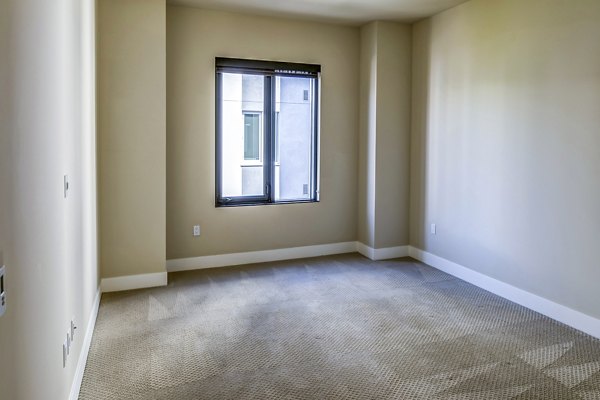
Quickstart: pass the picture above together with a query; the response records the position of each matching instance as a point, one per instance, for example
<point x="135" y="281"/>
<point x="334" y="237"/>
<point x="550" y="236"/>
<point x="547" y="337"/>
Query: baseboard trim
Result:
<point x="250" y="257"/>
<point x="382" y="254"/>
<point x="226" y="260"/>
<point x="85" y="348"/>
<point x="558" y="312"/>
<point x="365" y="250"/>
<point x="130" y="282"/>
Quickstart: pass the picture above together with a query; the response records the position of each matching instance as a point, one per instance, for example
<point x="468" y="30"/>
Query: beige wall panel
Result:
<point x="506" y="144"/>
<point x="393" y="134"/>
<point x="132" y="138"/>
<point x="385" y="111"/>
<point x="7" y="331"/>
<point x="368" y="130"/>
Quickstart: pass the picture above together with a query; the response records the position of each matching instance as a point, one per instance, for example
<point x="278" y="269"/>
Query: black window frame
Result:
<point x="270" y="70"/>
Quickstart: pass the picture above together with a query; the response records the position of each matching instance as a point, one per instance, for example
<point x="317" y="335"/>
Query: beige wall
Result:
<point x="367" y="134"/>
<point x="48" y="241"/>
<point x="385" y="80"/>
<point x="506" y="144"/>
<point x="7" y="332"/>
<point x="132" y="136"/>
<point x="393" y="134"/>
<point x="194" y="38"/>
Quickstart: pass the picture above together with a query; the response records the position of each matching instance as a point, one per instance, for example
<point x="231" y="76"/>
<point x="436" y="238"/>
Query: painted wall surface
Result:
<point x="367" y="137"/>
<point x="506" y="147"/>
<point x="131" y="137"/>
<point x="7" y="331"/>
<point x="384" y="134"/>
<point x="47" y="241"/>
<point x="393" y="134"/>
<point x="194" y="38"/>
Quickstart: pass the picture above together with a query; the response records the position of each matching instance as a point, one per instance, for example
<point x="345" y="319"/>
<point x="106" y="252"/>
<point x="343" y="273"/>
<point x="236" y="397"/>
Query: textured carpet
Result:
<point x="340" y="327"/>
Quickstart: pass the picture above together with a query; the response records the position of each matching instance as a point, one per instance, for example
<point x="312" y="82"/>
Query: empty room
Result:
<point x="299" y="199"/>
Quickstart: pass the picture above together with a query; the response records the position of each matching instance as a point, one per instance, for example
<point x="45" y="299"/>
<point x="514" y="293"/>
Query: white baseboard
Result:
<point x="224" y="260"/>
<point x="382" y="254"/>
<point x="558" y="312"/>
<point x="85" y="348"/>
<point x="133" y="282"/>
<point x="365" y="250"/>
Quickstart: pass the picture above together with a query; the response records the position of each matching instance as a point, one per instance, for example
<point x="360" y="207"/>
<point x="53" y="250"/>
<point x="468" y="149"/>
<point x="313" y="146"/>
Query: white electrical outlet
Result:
<point x="433" y="229"/>
<point x="196" y="230"/>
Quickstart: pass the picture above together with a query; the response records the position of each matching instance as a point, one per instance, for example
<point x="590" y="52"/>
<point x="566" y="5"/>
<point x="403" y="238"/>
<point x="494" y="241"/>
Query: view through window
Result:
<point x="267" y="132"/>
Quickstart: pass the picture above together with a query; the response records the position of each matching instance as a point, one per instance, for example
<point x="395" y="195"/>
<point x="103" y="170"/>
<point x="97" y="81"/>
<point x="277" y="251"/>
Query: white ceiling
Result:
<point x="351" y="12"/>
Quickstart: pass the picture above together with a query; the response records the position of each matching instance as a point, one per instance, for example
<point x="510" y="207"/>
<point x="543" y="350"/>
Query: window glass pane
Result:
<point x="242" y="135"/>
<point x="294" y="138"/>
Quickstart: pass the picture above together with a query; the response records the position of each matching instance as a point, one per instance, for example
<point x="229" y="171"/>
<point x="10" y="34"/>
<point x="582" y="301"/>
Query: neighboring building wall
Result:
<point x="253" y="91"/>
<point x="295" y="138"/>
<point x="233" y="134"/>
<point x="242" y="95"/>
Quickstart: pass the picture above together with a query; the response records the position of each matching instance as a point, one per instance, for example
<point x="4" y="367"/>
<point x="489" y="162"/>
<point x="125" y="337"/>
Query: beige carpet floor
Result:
<point x="339" y="327"/>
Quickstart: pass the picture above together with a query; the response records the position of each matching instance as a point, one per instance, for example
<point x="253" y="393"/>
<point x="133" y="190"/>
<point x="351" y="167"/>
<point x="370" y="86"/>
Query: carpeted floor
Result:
<point x="339" y="327"/>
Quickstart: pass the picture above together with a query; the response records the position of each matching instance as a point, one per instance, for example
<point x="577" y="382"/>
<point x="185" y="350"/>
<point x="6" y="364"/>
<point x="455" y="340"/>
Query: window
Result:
<point x="252" y="136"/>
<point x="266" y="132"/>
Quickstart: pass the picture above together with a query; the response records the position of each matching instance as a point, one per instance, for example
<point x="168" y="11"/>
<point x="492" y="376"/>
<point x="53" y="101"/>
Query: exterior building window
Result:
<point x="252" y="136"/>
<point x="267" y="143"/>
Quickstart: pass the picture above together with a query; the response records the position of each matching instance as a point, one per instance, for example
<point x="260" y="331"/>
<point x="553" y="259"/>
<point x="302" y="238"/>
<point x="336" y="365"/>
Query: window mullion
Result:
<point x="219" y="139"/>
<point x="269" y="165"/>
